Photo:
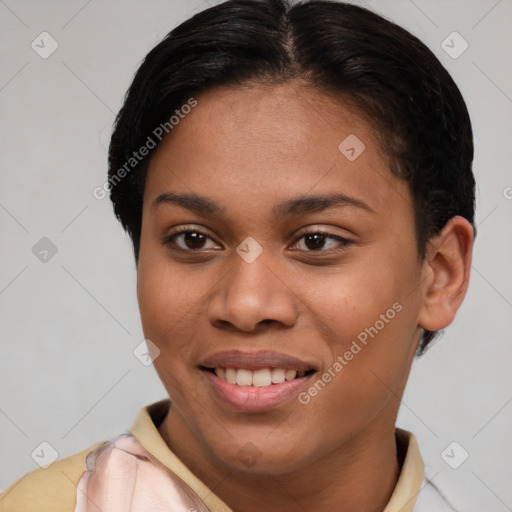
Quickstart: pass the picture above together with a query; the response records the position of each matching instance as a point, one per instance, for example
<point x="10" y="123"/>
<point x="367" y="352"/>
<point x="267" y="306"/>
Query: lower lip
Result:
<point x="255" y="399"/>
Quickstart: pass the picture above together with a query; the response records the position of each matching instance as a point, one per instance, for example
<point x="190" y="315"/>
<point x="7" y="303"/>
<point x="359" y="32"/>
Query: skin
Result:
<point x="248" y="149"/>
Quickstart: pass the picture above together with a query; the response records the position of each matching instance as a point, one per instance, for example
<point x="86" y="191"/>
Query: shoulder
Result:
<point x="47" y="490"/>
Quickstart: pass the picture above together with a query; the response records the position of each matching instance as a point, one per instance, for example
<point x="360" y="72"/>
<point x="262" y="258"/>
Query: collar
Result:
<point x="145" y="429"/>
<point x="411" y="475"/>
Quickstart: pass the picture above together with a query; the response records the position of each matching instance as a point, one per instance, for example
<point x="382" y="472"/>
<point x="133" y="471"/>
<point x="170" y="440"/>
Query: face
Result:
<point x="278" y="276"/>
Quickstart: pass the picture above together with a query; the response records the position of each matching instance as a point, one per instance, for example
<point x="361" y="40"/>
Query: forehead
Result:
<point x="264" y="143"/>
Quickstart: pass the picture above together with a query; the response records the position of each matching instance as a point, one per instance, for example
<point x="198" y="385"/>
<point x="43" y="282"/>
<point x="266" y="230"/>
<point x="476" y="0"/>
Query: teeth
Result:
<point x="290" y="374"/>
<point x="258" y="378"/>
<point x="261" y="378"/>
<point x="244" y="377"/>
<point x="230" y="375"/>
<point x="278" y="375"/>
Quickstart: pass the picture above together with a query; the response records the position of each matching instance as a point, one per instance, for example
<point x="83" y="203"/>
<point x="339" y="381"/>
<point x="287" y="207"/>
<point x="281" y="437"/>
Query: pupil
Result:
<point x="194" y="240"/>
<point x="317" y="241"/>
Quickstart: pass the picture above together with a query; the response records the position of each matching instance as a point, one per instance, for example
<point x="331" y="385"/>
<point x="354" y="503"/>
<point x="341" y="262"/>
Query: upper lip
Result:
<point x="255" y="360"/>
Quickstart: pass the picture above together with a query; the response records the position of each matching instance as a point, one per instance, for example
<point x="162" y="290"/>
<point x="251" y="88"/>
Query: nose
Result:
<point x="252" y="296"/>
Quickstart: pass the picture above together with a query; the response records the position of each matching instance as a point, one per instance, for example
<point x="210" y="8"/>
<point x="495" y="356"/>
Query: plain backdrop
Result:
<point x="70" y="324"/>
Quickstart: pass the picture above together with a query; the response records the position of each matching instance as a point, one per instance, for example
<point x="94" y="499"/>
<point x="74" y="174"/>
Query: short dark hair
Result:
<point x="342" y="49"/>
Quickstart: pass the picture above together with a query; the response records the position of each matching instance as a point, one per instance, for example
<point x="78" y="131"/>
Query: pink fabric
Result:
<point x="122" y="476"/>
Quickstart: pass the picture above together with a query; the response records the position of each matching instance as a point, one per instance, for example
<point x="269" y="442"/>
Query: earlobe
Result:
<point x="446" y="272"/>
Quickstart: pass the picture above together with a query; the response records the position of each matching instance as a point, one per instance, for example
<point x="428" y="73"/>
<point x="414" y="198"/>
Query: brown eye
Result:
<point x="194" y="240"/>
<point x="318" y="241"/>
<point x="190" y="240"/>
<point x="315" y="241"/>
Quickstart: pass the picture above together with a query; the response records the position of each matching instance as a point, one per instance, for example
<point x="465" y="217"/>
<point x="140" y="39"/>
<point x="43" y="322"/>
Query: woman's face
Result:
<point x="231" y="283"/>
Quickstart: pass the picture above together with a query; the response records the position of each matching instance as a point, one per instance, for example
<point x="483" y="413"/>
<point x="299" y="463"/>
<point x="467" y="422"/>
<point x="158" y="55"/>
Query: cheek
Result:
<point x="168" y="301"/>
<point x="370" y="317"/>
<point x="369" y="366"/>
<point x="166" y="312"/>
<point x="354" y="300"/>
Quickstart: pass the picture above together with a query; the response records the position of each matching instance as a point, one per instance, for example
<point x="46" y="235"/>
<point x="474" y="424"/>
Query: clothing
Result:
<point x="140" y="466"/>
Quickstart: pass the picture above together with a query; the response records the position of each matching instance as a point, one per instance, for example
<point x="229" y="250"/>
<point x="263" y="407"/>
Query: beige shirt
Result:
<point x="54" y="489"/>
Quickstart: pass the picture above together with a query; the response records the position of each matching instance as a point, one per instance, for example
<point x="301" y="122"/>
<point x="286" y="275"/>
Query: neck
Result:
<point x="360" y="475"/>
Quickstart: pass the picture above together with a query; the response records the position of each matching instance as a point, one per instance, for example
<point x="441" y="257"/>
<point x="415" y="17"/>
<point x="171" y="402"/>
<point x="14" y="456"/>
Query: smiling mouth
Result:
<point x="262" y="377"/>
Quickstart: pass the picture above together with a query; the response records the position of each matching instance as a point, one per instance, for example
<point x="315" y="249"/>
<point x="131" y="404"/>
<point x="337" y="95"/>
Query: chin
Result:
<point x="259" y="455"/>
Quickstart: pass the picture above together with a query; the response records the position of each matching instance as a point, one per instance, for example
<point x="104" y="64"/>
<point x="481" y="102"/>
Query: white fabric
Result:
<point x="122" y="476"/>
<point x="430" y="499"/>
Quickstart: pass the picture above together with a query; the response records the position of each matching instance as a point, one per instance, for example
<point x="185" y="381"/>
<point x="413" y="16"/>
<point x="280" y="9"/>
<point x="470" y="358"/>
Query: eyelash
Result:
<point x="343" y="242"/>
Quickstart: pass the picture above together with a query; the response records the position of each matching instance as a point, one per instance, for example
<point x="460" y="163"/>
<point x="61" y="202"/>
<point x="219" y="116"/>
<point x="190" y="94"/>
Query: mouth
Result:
<point x="263" y="377"/>
<point x="255" y="382"/>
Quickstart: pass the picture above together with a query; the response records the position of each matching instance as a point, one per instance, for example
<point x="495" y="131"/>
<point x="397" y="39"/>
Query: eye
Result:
<point x="193" y="239"/>
<point x="321" y="241"/>
<point x="190" y="239"/>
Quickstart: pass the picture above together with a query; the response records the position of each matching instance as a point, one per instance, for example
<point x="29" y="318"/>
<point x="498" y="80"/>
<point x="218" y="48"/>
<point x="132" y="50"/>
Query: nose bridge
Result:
<point x="249" y="278"/>
<point x="252" y="293"/>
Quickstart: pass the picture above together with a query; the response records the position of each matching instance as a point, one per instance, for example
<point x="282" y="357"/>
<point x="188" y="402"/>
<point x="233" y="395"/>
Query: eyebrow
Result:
<point x="296" y="206"/>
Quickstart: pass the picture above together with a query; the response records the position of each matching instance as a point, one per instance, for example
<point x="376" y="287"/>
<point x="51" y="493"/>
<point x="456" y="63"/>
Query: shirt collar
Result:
<point x="147" y="433"/>
<point x="411" y="475"/>
<point x="402" y="500"/>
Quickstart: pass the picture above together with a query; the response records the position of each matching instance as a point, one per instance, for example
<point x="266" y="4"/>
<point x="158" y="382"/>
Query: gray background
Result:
<point x="69" y="325"/>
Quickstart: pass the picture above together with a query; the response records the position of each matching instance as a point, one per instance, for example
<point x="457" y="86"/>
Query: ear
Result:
<point x="445" y="274"/>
